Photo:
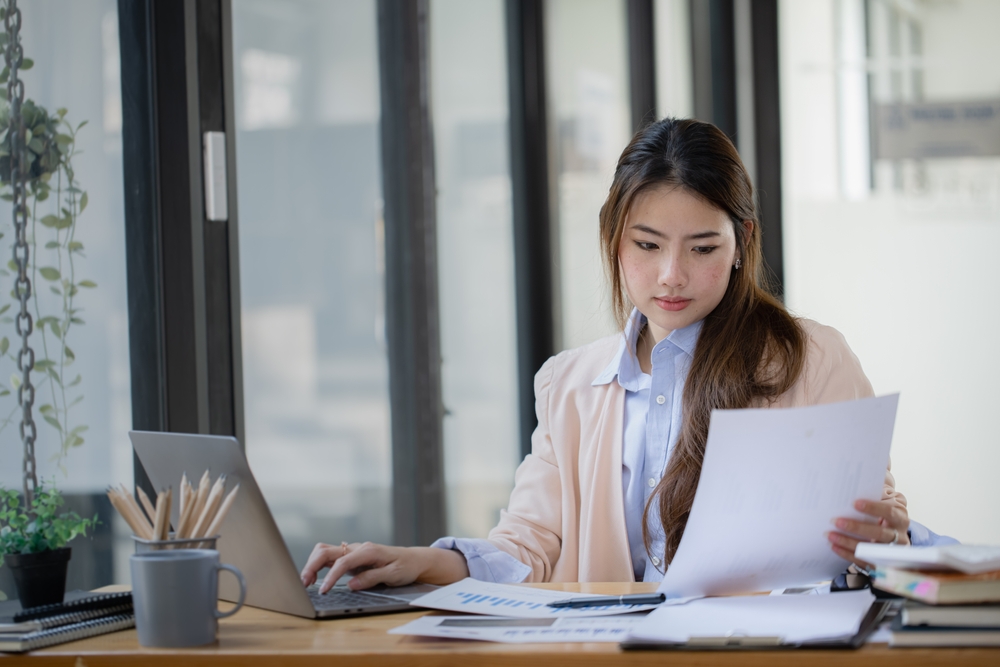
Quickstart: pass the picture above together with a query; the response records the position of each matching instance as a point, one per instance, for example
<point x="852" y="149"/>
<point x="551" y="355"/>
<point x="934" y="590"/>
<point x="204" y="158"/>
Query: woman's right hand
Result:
<point x="374" y="564"/>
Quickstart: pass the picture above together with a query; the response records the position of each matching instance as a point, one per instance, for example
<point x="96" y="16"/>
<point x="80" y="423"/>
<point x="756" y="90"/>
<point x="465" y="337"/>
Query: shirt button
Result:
<point x="661" y="399"/>
<point x="651" y="482"/>
<point x="656" y="561"/>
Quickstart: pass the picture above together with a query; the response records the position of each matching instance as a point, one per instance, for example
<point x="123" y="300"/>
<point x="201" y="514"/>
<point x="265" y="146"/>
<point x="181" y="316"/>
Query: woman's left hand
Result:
<point x="890" y="527"/>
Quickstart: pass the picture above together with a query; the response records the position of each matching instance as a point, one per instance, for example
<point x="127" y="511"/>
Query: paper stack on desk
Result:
<point x="755" y="620"/>
<point x="519" y="614"/>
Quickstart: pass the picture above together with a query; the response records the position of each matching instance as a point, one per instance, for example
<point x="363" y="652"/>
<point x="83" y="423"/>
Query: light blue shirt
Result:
<point x="652" y="423"/>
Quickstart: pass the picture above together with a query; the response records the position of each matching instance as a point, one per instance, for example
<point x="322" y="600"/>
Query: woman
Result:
<point x="622" y="422"/>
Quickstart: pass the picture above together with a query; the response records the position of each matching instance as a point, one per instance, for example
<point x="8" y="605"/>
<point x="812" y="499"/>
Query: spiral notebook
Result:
<point x="29" y="641"/>
<point x="37" y="627"/>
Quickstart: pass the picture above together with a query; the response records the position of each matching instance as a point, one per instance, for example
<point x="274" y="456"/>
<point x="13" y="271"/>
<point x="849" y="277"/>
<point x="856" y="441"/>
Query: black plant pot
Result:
<point x="40" y="578"/>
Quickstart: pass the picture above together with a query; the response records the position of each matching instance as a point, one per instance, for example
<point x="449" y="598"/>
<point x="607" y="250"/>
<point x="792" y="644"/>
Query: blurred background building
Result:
<point x="413" y="190"/>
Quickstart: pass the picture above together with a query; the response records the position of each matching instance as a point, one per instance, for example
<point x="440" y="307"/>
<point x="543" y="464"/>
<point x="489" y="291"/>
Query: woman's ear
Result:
<point x="747" y="231"/>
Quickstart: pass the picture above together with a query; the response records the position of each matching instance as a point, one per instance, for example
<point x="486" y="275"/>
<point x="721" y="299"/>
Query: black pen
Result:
<point x="609" y="600"/>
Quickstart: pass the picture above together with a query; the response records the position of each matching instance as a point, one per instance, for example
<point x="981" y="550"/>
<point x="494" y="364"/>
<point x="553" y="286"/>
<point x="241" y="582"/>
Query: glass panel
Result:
<point x="475" y="260"/>
<point x="587" y="61"/>
<point x="75" y="50"/>
<point x="672" y="31"/>
<point x="891" y="236"/>
<point x="314" y="359"/>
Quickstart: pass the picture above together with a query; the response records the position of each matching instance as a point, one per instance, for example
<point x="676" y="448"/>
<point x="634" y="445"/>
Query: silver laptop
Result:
<point x="250" y="538"/>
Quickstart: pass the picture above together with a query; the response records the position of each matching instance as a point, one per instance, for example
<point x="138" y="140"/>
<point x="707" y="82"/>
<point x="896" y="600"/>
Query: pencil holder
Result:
<point x="142" y="545"/>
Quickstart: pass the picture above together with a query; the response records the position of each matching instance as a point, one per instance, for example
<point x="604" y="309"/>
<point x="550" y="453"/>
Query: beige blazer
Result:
<point x="566" y="516"/>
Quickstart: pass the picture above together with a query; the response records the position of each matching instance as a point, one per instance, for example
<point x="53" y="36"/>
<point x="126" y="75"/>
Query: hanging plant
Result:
<point x="55" y="202"/>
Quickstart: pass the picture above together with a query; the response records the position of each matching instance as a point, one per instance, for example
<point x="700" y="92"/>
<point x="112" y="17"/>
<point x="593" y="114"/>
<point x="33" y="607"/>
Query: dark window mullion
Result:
<point x="412" y="320"/>
<point x="529" y="165"/>
<point x="642" y="62"/>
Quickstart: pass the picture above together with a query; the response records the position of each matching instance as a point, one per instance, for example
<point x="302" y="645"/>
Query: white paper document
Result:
<point x="479" y="597"/>
<point x="786" y="619"/>
<point x="772" y="482"/>
<point x="523" y="630"/>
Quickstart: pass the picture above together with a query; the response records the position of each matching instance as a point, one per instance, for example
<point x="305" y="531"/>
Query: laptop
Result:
<point x="250" y="538"/>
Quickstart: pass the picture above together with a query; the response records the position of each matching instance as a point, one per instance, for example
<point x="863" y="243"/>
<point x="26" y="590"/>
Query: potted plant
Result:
<point x="33" y="543"/>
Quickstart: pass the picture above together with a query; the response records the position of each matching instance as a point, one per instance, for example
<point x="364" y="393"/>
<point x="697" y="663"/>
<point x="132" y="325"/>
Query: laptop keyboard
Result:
<point x="344" y="598"/>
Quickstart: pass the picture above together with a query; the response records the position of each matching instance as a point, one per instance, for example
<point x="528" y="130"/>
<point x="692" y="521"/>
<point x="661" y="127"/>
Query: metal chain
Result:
<point x="13" y="56"/>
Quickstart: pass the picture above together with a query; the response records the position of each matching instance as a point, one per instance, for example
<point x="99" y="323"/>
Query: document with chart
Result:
<point x="479" y="597"/>
<point x="772" y="482"/>
<point x="523" y="630"/>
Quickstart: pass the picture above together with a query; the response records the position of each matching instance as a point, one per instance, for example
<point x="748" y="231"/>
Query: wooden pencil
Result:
<point x="123" y="512"/>
<point x="213" y="528"/>
<point x="146" y="505"/>
<point x="211" y="506"/>
<point x="182" y="496"/>
<point x="161" y="505"/>
<point x="201" y="497"/>
<point x="133" y="506"/>
<point x="184" y="522"/>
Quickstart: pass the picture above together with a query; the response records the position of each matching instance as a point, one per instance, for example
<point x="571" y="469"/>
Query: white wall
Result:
<point x="909" y="276"/>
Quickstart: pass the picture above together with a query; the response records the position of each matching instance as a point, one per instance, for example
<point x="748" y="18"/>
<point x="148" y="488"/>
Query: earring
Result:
<point x="739" y="262"/>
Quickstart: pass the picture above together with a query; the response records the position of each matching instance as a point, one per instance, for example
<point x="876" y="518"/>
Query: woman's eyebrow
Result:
<point x="655" y="232"/>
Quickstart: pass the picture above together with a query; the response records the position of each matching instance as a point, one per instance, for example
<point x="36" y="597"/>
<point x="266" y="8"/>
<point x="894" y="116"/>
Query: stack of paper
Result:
<point x="757" y="620"/>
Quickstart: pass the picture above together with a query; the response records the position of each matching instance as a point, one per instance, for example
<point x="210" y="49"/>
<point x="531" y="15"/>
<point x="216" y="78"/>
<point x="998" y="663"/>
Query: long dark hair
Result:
<point x="750" y="350"/>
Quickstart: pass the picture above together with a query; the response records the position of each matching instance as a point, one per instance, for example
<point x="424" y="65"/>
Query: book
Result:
<point x="915" y="614"/>
<point x="927" y="636"/>
<point x="939" y="587"/>
<point x="967" y="558"/>
<point x="30" y="641"/>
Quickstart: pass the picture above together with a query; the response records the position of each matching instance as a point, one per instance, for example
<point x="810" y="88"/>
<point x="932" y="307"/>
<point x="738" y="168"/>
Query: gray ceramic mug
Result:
<point x="175" y="596"/>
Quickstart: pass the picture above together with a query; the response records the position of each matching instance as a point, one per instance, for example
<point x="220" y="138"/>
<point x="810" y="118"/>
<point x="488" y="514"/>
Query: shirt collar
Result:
<point x="625" y="366"/>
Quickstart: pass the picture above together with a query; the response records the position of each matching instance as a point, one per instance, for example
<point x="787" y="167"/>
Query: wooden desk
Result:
<point x="257" y="637"/>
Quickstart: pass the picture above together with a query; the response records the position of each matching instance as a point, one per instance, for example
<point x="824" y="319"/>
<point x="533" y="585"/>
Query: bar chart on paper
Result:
<point x="477" y="597"/>
<point x="523" y="630"/>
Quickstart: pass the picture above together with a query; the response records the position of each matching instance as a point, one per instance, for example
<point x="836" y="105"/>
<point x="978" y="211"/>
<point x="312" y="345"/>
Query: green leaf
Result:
<point x="5" y="308"/>
<point x="65" y="222"/>
<point x="53" y="421"/>
<point x="4" y="392"/>
<point x="12" y="265"/>
<point x="55" y="290"/>
<point x="46" y="409"/>
<point x="64" y="139"/>
<point x="52" y="244"/>
<point x="55" y="376"/>
<point x="43" y="364"/>
<point x="81" y="125"/>
<point x="61" y="112"/>
<point x="77" y="441"/>
<point x="27" y="63"/>
<point x="87" y="283"/>
<point x="79" y="429"/>
<point x="4" y="345"/>
<point x="77" y="320"/>
<point x="36" y="145"/>
<point x="75" y="381"/>
<point x="56" y="329"/>
<point x="70" y="357"/>
<point x="49" y="273"/>
<point x="50" y="221"/>
<point x="15" y="381"/>
<point x="83" y="201"/>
